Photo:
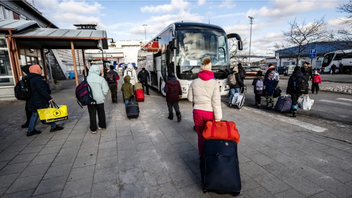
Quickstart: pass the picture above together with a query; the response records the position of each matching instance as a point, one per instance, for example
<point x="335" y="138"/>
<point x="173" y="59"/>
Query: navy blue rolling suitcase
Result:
<point x="132" y="110"/>
<point x="219" y="167"/>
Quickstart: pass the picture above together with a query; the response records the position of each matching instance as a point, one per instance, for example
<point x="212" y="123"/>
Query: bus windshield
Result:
<point x="327" y="60"/>
<point x="196" y="44"/>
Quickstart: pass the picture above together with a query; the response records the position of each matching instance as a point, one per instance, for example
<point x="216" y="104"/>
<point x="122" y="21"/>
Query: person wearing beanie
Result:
<point x="173" y="94"/>
<point x="315" y="82"/>
<point x="205" y="96"/>
<point x="112" y="78"/>
<point x="40" y="99"/>
<point x="271" y="80"/>
<point x="292" y="90"/>
<point x="235" y="90"/>
<point x="258" y="83"/>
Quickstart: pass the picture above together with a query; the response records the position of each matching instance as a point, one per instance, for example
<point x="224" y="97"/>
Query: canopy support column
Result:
<point x="74" y="62"/>
<point x="84" y="63"/>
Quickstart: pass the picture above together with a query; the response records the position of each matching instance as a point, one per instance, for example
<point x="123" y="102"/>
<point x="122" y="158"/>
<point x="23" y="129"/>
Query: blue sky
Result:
<point x="124" y="19"/>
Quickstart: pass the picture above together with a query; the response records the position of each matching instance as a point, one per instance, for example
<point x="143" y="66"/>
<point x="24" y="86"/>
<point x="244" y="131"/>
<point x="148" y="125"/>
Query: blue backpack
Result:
<point x="84" y="94"/>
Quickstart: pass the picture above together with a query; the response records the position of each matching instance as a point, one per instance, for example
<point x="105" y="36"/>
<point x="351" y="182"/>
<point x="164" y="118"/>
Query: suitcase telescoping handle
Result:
<point x="228" y="128"/>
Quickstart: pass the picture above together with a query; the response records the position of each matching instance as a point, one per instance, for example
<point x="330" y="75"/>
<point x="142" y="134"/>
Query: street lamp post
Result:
<point x="145" y="32"/>
<point x="250" y="37"/>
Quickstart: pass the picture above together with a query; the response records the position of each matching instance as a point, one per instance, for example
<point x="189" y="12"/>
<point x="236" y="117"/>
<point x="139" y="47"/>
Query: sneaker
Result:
<point x="294" y="113"/>
<point x="101" y="128"/>
<point x="94" y="132"/>
<point x="57" y="128"/>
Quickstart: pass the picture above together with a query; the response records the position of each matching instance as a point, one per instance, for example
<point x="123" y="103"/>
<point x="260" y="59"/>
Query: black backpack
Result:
<point x="300" y="85"/>
<point x="23" y="90"/>
<point x="84" y="93"/>
<point x="110" y="78"/>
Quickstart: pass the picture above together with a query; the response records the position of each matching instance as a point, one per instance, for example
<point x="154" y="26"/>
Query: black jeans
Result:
<point x="258" y="98"/>
<point x="294" y="98"/>
<point x="145" y="85"/>
<point x="315" y="86"/>
<point x="93" y="109"/>
<point x="28" y="114"/>
<point x="113" y="89"/>
<point x="174" y="105"/>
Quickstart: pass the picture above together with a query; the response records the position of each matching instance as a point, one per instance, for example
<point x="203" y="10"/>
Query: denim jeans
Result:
<point x="126" y="102"/>
<point x="233" y="91"/>
<point x="33" y="121"/>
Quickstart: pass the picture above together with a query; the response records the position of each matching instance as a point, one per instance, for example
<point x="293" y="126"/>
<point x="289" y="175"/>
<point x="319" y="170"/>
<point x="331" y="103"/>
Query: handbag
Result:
<point x="305" y="103"/>
<point x="222" y="130"/>
<point x="53" y="113"/>
<point x="277" y="92"/>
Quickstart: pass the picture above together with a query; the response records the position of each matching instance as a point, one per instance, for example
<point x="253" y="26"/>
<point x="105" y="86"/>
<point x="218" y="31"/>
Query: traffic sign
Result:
<point x="277" y="56"/>
<point x="313" y="53"/>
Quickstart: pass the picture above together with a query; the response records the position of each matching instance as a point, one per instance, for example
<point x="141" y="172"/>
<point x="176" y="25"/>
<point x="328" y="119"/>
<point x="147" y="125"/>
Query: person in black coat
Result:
<point x="291" y="88"/>
<point x="40" y="99"/>
<point x="25" y="70"/>
<point x="143" y="77"/>
<point x="173" y="94"/>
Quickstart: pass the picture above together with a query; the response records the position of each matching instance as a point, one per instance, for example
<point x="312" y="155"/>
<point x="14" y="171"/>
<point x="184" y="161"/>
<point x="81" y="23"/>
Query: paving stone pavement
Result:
<point x="155" y="157"/>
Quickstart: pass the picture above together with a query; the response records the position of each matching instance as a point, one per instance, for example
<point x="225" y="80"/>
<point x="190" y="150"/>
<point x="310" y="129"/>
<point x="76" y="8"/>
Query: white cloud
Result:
<point x="227" y="4"/>
<point x="175" y="5"/>
<point x="227" y="15"/>
<point x="201" y="2"/>
<point x="68" y="12"/>
<point x="289" y="8"/>
<point x="337" y="23"/>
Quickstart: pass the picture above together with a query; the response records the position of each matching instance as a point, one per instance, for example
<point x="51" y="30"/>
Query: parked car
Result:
<point x="249" y="71"/>
<point x="255" y="68"/>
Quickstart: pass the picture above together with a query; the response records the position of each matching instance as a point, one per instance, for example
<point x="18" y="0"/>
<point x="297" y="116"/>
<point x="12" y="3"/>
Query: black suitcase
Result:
<point x="219" y="167"/>
<point x="132" y="110"/>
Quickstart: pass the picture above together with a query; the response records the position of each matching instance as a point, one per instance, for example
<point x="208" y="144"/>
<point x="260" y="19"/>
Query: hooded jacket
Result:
<point x="173" y="90"/>
<point x="205" y="95"/>
<point x="132" y="71"/>
<point x="98" y="84"/>
<point x="40" y="92"/>
<point x="295" y="75"/>
<point x="127" y="88"/>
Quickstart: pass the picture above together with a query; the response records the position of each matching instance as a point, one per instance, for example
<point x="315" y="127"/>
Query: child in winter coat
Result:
<point x="173" y="94"/>
<point x="127" y="90"/>
<point x="258" y="83"/>
<point x="315" y="82"/>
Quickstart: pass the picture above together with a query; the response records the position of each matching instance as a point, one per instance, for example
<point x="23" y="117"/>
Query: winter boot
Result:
<point x="178" y="117"/>
<point x="294" y="111"/>
<point x="171" y="116"/>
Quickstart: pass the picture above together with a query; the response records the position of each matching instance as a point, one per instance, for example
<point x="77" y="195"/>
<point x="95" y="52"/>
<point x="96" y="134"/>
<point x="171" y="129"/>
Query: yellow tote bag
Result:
<point x="53" y="113"/>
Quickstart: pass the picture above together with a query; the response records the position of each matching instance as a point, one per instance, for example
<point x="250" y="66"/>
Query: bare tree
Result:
<point x="346" y="8"/>
<point x="344" y="36"/>
<point x="301" y="35"/>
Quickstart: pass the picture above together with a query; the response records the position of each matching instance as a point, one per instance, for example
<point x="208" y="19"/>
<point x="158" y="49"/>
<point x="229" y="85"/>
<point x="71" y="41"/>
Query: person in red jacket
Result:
<point x="173" y="94"/>
<point x="315" y="82"/>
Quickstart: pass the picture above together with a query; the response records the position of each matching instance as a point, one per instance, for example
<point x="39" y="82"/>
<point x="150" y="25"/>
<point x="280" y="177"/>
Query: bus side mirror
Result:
<point x="240" y="45"/>
<point x="234" y="35"/>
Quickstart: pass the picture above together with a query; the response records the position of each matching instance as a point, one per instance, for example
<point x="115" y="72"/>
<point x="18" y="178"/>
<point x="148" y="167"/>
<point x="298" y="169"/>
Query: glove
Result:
<point x="180" y="96"/>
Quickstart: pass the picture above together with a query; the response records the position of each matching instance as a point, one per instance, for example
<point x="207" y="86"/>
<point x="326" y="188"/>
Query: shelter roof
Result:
<point x="52" y="38"/>
<point x="16" y="25"/>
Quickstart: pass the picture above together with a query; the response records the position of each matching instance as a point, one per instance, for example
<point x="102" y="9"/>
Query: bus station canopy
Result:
<point x="52" y="38"/>
<point x="16" y="25"/>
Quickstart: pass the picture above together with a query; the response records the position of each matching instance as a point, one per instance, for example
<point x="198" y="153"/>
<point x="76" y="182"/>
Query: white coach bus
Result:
<point x="180" y="48"/>
<point x="339" y="57"/>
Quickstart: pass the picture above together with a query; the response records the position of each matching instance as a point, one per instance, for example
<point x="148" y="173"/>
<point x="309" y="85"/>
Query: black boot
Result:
<point x="178" y="117"/>
<point x="294" y="113"/>
<point x="171" y="116"/>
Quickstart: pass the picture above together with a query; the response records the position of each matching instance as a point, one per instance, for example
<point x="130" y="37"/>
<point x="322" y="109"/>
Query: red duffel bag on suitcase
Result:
<point x="139" y="95"/>
<point x="222" y="130"/>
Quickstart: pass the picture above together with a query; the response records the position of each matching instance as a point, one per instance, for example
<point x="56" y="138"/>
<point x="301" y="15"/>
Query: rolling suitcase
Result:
<point x="139" y="95"/>
<point x="132" y="110"/>
<point x="219" y="167"/>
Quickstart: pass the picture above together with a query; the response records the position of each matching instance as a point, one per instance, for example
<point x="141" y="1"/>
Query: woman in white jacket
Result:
<point x="205" y="95"/>
<point x="132" y="73"/>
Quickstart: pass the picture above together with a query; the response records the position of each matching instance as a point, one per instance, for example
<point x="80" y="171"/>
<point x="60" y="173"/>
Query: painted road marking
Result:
<point x="335" y="102"/>
<point x="288" y="120"/>
<point x="344" y="99"/>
